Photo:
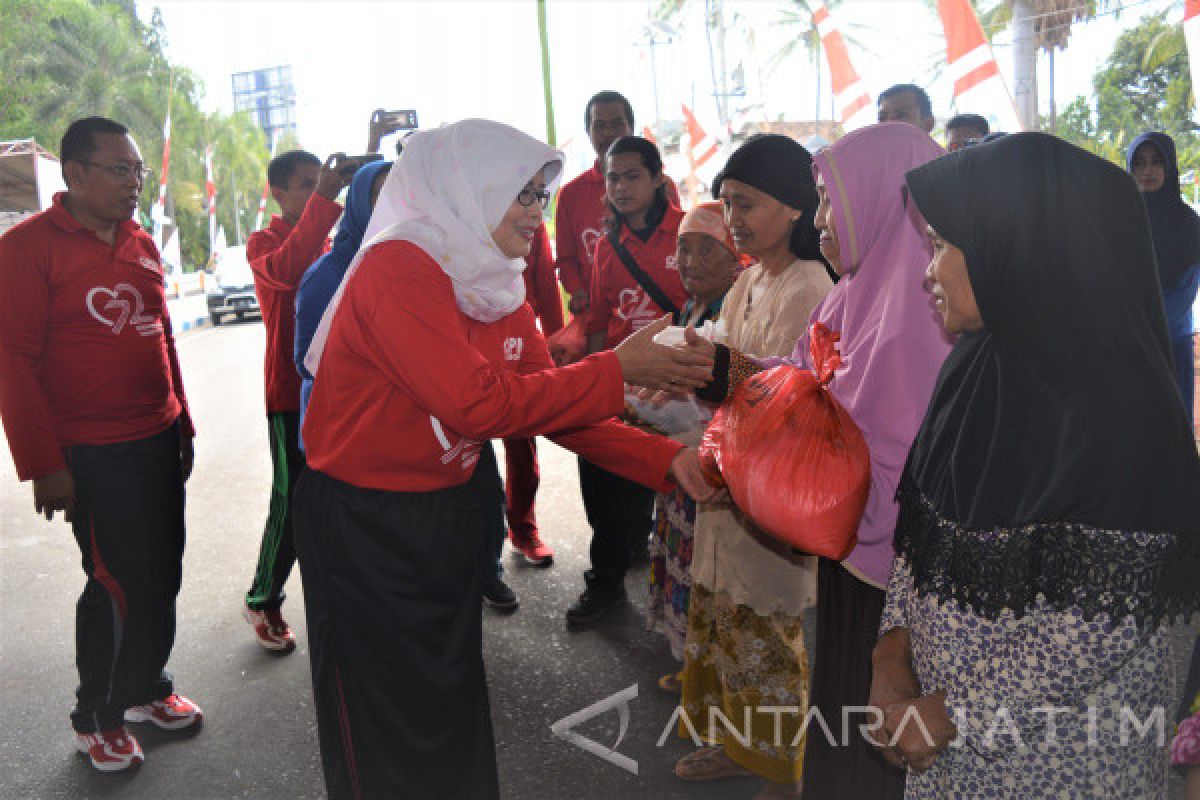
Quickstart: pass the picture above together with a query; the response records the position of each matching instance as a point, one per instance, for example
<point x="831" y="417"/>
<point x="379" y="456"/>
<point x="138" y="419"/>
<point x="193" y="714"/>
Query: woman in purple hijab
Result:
<point x="892" y="346"/>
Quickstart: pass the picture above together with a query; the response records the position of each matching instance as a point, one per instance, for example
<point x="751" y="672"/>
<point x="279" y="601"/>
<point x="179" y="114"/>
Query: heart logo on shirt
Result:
<point x="121" y="306"/>
<point x="590" y="237"/>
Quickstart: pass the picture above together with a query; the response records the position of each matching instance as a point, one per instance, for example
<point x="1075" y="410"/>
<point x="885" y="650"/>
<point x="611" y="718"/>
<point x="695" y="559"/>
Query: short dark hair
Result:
<point x="607" y="96"/>
<point x="79" y="142"/>
<point x="973" y="121"/>
<point x="923" y="102"/>
<point x="283" y="167"/>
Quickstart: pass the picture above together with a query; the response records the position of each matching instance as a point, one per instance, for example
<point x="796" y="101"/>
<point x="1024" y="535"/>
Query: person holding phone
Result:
<point x="306" y="191"/>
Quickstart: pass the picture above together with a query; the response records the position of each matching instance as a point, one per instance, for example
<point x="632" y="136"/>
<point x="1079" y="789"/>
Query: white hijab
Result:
<point x="446" y="194"/>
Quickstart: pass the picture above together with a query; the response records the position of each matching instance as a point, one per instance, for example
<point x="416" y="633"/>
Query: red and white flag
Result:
<point x="159" y="212"/>
<point x="1191" y="34"/>
<point x="262" y="203"/>
<point x="210" y="195"/>
<point x="648" y="134"/>
<point x="702" y="146"/>
<point x="850" y="94"/>
<point x="978" y="85"/>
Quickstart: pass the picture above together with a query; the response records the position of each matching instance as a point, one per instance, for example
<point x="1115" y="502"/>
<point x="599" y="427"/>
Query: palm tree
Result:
<point x="1042" y="25"/>
<point x="95" y="65"/>
<point x="797" y="15"/>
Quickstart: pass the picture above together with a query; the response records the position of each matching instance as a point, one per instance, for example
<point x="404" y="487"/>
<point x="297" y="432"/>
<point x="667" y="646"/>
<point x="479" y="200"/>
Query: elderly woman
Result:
<point x="708" y="265"/>
<point x="1050" y="523"/>
<point x="428" y="350"/>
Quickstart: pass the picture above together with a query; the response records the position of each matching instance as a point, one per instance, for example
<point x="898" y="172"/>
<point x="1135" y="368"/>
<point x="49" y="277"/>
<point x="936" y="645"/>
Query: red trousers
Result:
<point x="520" y="487"/>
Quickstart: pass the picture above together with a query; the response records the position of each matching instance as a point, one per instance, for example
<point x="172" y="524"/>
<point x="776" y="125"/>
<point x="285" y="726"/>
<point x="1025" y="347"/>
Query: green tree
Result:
<point x="1145" y="84"/>
<point x="65" y="59"/>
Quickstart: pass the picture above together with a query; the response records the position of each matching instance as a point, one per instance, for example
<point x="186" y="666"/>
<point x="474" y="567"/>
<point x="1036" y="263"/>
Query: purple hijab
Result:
<point x="892" y="340"/>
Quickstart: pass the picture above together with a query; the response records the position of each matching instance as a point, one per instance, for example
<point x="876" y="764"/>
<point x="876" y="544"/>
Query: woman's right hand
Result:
<point x="646" y="363"/>
<point x="892" y="681"/>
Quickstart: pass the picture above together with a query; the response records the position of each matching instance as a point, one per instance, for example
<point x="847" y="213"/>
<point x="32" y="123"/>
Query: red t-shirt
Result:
<point x="409" y="387"/>
<point x="579" y="226"/>
<point x="86" y="350"/>
<point x="279" y="255"/>
<point x="541" y="288"/>
<point x="619" y="304"/>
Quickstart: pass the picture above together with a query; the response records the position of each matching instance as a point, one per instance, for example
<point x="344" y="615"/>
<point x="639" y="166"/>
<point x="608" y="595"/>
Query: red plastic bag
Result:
<point x="791" y="456"/>
<point x="569" y="344"/>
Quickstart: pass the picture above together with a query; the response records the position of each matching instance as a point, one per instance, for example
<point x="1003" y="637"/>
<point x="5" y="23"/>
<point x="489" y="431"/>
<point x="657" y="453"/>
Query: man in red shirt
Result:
<point x="93" y="405"/>
<point x="579" y="227"/>
<point x="579" y="218"/>
<point x="279" y="255"/>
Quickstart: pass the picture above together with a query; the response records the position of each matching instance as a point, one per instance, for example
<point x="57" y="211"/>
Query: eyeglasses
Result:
<point x="527" y="197"/>
<point x="122" y="172"/>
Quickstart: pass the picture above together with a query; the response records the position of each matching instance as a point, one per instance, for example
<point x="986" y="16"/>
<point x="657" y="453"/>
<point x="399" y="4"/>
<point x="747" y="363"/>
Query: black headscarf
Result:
<point x="779" y="166"/>
<point x="1059" y="419"/>
<point x="1174" y="226"/>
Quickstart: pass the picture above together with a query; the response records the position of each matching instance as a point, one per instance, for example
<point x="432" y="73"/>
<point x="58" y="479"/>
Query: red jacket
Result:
<point x="86" y="350"/>
<point x="619" y="305"/>
<point x="279" y="255"/>
<point x="541" y="288"/>
<point x="579" y="225"/>
<point x="408" y="387"/>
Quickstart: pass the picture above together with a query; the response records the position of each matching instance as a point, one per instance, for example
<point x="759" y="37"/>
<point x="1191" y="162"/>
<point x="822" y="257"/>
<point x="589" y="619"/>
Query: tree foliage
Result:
<point x="65" y="59"/>
<point x="1144" y="85"/>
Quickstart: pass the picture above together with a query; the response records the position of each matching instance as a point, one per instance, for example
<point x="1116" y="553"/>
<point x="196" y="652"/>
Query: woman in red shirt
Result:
<point x="427" y="351"/>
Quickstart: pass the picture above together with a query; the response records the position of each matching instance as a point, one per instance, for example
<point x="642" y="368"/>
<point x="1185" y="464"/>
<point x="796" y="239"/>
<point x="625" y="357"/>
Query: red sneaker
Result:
<point x="271" y="630"/>
<point x="110" y="751"/>
<point x="172" y="713"/>
<point x="536" y="551"/>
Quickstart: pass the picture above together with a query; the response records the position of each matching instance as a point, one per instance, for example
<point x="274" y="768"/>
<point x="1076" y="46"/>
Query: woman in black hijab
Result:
<point x="1050" y="518"/>
<point x="1176" y="232"/>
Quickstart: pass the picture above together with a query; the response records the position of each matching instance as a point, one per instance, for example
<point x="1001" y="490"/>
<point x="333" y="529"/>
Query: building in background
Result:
<point x="29" y="176"/>
<point x="270" y="97"/>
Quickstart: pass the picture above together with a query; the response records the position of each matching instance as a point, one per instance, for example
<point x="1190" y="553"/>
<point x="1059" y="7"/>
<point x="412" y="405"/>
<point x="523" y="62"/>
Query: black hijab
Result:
<point x="1059" y="420"/>
<point x="779" y="166"/>
<point x="1174" y="226"/>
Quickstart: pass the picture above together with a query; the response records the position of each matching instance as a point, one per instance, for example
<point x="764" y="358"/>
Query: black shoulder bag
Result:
<point x="639" y="275"/>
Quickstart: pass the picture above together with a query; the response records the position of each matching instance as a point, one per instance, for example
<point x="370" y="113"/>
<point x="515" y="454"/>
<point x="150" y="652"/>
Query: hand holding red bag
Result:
<point x="792" y="458"/>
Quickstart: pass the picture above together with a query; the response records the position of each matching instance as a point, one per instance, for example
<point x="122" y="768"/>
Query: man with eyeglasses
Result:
<point x="306" y="191"/>
<point x="92" y="401"/>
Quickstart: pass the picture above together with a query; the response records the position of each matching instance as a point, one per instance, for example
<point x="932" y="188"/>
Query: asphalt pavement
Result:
<point x="258" y="739"/>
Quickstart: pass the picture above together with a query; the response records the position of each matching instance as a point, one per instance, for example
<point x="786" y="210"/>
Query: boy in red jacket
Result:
<point x="279" y="255"/>
<point x="96" y="417"/>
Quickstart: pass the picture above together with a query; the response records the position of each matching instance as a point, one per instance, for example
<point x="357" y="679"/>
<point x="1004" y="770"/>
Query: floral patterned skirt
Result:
<point x="671" y="567"/>
<point x="745" y="684"/>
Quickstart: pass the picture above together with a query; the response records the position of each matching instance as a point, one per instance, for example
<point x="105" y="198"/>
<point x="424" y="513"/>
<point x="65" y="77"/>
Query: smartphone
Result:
<point x="404" y="120"/>
<point x="353" y="164"/>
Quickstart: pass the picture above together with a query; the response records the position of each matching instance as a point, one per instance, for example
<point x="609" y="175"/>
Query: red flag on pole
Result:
<point x="262" y="203"/>
<point x="702" y="146"/>
<point x="849" y="93"/>
<point x="973" y="68"/>
<point x="166" y="163"/>
<point x="1191" y="35"/>
<point x="210" y="194"/>
<point x="648" y="134"/>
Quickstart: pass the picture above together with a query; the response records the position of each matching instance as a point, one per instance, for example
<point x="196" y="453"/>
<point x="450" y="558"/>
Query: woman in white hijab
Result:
<point x="428" y="351"/>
